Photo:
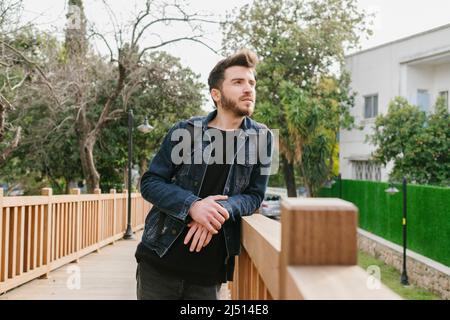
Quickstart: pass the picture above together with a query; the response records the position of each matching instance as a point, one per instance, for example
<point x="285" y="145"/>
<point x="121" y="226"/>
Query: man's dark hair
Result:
<point x="243" y="58"/>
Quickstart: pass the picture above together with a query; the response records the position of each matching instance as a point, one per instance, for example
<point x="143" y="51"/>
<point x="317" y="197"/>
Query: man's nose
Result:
<point x="248" y="88"/>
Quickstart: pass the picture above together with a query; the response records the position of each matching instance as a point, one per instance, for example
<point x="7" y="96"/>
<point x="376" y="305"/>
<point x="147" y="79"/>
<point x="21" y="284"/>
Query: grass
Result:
<point x="390" y="277"/>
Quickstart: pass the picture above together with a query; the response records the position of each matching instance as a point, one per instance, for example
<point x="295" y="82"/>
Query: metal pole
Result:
<point x="129" y="232"/>
<point x="340" y="186"/>
<point x="404" y="276"/>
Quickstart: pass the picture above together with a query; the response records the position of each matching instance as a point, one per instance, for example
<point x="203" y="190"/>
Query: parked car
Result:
<point x="302" y="192"/>
<point x="270" y="207"/>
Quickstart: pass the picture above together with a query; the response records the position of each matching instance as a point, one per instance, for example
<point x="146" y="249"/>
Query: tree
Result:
<point x="9" y="57"/>
<point x="313" y="120"/>
<point x="45" y="152"/>
<point x="129" y="63"/>
<point x="170" y="93"/>
<point x="416" y="142"/>
<point x="298" y="41"/>
<point x="69" y="94"/>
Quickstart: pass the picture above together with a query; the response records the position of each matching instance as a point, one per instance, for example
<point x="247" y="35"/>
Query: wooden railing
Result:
<point x="41" y="233"/>
<point x="311" y="254"/>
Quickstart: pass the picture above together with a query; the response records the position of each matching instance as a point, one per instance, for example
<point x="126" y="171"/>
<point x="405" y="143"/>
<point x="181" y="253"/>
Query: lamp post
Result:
<point x="144" y="128"/>
<point x="392" y="190"/>
<point x="340" y="185"/>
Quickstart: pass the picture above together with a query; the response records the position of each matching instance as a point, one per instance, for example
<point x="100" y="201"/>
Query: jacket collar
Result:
<point x="245" y="125"/>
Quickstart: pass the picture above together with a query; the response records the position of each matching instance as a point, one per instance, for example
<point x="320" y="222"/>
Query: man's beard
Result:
<point x="231" y="105"/>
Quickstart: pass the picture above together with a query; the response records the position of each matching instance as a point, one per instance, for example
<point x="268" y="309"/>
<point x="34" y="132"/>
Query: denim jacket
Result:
<point x="172" y="189"/>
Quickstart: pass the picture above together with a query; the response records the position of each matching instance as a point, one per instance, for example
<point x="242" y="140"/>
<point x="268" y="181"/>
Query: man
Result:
<point x="192" y="232"/>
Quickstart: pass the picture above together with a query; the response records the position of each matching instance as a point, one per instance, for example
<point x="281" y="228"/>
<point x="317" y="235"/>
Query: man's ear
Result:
<point x="215" y="94"/>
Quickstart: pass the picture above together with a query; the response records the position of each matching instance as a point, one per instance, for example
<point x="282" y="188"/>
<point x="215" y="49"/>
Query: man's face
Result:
<point x="238" y="93"/>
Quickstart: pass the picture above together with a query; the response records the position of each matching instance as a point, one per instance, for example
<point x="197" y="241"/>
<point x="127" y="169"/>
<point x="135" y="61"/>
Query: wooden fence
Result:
<point x="311" y="254"/>
<point x="41" y="233"/>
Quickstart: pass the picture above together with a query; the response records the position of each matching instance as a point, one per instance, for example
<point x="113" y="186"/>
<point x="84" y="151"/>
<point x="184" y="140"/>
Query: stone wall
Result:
<point x="421" y="271"/>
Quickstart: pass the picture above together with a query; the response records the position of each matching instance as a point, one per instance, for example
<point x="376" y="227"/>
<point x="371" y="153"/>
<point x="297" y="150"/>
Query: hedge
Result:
<point x="428" y="214"/>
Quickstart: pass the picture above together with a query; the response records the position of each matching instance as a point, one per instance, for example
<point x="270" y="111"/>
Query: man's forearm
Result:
<point x="241" y="204"/>
<point x="168" y="197"/>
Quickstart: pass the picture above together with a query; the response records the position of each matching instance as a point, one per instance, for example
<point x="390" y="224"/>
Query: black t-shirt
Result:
<point x="207" y="267"/>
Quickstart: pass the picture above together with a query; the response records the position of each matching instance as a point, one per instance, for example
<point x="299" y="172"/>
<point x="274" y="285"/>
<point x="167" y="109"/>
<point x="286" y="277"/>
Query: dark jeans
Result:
<point x="154" y="285"/>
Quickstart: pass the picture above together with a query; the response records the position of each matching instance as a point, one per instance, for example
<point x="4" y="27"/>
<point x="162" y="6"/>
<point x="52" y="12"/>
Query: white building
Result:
<point x="416" y="67"/>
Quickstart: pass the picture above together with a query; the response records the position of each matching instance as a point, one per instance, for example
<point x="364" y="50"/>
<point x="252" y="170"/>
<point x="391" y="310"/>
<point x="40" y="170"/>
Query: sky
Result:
<point x="394" y="19"/>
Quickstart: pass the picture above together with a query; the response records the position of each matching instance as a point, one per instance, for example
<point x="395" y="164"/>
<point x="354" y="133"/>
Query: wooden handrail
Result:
<point x="257" y="268"/>
<point x="41" y="233"/>
<point x="311" y="254"/>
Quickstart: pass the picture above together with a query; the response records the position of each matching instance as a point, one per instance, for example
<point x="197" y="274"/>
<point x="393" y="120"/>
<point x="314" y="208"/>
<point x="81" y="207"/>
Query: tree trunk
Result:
<point x="306" y="181"/>
<point x="67" y="180"/>
<point x="88" y="165"/>
<point x="289" y="177"/>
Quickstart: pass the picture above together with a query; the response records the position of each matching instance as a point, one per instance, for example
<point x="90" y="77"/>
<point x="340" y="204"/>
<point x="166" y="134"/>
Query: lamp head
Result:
<point x="145" y="128"/>
<point x="391" y="190"/>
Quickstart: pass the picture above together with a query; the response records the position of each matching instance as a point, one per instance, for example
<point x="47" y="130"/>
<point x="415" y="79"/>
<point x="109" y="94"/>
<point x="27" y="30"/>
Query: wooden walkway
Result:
<point x="106" y="275"/>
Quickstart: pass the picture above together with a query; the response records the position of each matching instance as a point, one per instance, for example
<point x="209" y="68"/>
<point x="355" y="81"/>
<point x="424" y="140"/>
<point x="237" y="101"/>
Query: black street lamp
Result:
<point x="340" y="185"/>
<point x="144" y="128"/>
<point x="392" y="190"/>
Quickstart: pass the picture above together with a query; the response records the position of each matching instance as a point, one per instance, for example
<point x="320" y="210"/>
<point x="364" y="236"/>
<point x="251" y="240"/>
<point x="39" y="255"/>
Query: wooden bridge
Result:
<point x="70" y="247"/>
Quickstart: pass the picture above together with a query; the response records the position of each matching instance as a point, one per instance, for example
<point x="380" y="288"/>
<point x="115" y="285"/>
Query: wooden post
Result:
<point x="47" y="230"/>
<point x="2" y="247"/>
<point x="113" y="192"/>
<point x="5" y="239"/>
<point x="125" y="213"/>
<point x="77" y="191"/>
<point x="98" y="191"/>
<point x="317" y="232"/>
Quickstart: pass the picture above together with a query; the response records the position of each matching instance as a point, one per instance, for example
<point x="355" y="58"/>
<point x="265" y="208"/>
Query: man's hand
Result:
<point x="201" y="236"/>
<point x="209" y="213"/>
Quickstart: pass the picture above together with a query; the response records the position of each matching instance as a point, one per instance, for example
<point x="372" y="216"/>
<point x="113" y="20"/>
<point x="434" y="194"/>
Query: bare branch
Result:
<point x="193" y="38"/>
<point x="36" y="66"/>
<point x="115" y="24"/>
<point x="102" y="37"/>
<point x="5" y="102"/>
<point x="109" y="103"/>
<point x="12" y="146"/>
<point x="114" y="115"/>
<point x="185" y="19"/>
<point x="139" y="19"/>
<point x="56" y="128"/>
<point x="21" y="82"/>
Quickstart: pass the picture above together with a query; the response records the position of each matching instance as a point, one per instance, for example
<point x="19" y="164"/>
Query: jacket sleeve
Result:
<point x="156" y="185"/>
<point x="250" y="200"/>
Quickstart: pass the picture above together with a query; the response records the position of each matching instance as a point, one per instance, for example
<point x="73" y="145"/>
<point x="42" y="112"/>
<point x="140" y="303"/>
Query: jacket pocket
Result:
<point x="154" y="225"/>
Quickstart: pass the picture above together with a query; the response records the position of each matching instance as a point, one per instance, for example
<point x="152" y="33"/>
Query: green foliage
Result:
<point x="428" y="221"/>
<point x="169" y="94"/>
<point x="49" y="151"/>
<point x="299" y="42"/>
<point x="71" y="103"/>
<point x="416" y="142"/>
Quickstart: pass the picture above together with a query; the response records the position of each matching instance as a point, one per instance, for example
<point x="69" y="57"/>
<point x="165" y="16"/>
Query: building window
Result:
<point x="444" y="95"/>
<point x="423" y="100"/>
<point x="366" y="170"/>
<point x="370" y="106"/>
